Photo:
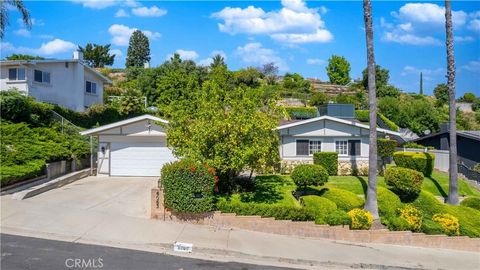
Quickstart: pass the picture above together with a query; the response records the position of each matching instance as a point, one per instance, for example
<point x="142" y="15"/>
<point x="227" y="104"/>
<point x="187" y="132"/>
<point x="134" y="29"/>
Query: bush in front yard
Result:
<point x="472" y="202"/>
<point x="329" y="160"/>
<point x="344" y="199"/>
<point x="309" y="175"/>
<point x="338" y="217"/>
<point x="449" y="223"/>
<point x="279" y="212"/>
<point x="419" y="161"/>
<point x="361" y="219"/>
<point x="321" y="207"/>
<point x="406" y="182"/>
<point x="188" y="186"/>
<point x="413" y="217"/>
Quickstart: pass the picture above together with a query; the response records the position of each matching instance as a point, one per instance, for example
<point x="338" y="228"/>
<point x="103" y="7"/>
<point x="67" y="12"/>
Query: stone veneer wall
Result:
<point x="310" y="229"/>
<point x="345" y="167"/>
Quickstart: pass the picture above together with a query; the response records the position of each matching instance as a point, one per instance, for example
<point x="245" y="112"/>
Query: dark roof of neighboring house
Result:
<point x="471" y="134"/>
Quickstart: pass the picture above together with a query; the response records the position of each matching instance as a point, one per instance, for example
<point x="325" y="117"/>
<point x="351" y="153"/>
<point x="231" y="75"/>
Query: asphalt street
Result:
<point x="20" y="252"/>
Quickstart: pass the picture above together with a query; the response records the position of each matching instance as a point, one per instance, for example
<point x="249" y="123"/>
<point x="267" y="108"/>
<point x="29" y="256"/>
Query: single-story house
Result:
<point x="132" y="147"/>
<point x="468" y="143"/>
<point x="299" y="140"/>
<point x="70" y="83"/>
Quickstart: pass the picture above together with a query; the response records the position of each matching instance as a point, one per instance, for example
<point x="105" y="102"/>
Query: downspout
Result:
<point x="91" y="155"/>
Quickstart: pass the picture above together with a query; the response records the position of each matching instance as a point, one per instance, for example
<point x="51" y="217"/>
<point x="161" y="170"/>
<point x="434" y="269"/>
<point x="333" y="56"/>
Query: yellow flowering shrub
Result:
<point x="361" y="219"/>
<point x="413" y="216"/>
<point x="449" y="223"/>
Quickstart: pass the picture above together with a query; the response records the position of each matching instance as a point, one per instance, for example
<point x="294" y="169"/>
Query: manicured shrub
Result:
<point x="361" y="219"/>
<point x="428" y="204"/>
<point x="404" y="181"/>
<point x="449" y="223"/>
<point x="419" y="161"/>
<point x="338" y="217"/>
<point x="472" y="202"/>
<point x="413" y="145"/>
<point x="279" y="212"/>
<point x="468" y="218"/>
<point x="329" y="160"/>
<point x="396" y="224"/>
<point x="388" y="202"/>
<point x="362" y="115"/>
<point x="344" y="199"/>
<point x="391" y="125"/>
<point x="301" y="112"/>
<point x="321" y="207"/>
<point x="188" y="186"/>
<point x="309" y="175"/>
<point x="413" y="217"/>
<point x="431" y="227"/>
<point x="386" y="148"/>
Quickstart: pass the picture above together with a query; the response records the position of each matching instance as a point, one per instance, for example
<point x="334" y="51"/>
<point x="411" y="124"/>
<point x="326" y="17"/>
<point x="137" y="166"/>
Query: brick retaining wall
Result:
<point x="310" y="229"/>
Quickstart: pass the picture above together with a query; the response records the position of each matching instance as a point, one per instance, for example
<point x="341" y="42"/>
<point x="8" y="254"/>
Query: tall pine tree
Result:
<point x="138" y="50"/>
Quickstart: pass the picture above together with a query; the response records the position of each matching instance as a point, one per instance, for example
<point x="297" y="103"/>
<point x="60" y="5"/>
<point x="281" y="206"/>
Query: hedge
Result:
<point x="328" y="160"/>
<point x="321" y="207"/>
<point x="391" y="125"/>
<point x="309" y="175"/>
<point x="188" y="186"/>
<point x="279" y="212"/>
<point x="419" y="161"/>
<point x="405" y="181"/>
<point x="16" y="173"/>
<point x="345" y="200"/>
<point x="388" y="202"/>
<point x="386" y="148"/>
<point x="472" y="202"/>
<point x="362" y="115"/>
<point x="338" y="217"/>
<point x="301" y="112"/>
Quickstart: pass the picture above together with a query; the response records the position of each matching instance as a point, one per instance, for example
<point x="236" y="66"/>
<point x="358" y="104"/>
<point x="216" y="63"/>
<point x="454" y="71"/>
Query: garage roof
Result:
<point x="95" y="131"/>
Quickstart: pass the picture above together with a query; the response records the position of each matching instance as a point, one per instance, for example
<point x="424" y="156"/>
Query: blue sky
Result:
<point x="298" y="36"/>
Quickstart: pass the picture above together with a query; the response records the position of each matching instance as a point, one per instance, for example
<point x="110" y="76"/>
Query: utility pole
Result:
<point x="421" y="84"/>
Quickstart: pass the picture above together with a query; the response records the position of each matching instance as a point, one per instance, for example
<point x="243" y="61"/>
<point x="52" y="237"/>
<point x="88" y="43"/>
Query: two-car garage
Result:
<point x="132" y="147"/>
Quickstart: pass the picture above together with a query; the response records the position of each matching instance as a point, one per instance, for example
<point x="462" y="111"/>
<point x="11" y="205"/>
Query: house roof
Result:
<point x="94" y="131"/>
<point x="46" y="61"/>
<point x="471" y="134"/>
<point x="338" y="120"/>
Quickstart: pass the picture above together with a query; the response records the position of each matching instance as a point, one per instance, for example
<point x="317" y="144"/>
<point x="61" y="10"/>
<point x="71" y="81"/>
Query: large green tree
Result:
<point x="441" y="93"/>
<point x="97" y="56"/>
<point x="294" y="82"/>
<point x="5" y="7"/>
<point x="338" y="70"/>
<point x="218" y="60"/>
<point x="138" y="50"/>
<point x="382" y="75"/>
<point x="231" y="130"/>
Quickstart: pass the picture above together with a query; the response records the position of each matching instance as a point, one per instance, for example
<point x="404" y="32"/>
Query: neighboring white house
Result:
<point x="68" y="83"/>
<point x="132" y="147"/>
<point x="350" y="139"/>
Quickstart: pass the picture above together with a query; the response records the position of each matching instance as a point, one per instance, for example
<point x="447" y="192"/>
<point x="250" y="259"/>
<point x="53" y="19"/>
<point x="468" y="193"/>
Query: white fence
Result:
<point x="441" y="157"/>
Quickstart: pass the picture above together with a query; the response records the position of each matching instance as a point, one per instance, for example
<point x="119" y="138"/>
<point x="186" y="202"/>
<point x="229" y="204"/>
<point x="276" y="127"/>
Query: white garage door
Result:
<point x="138" y="159"/>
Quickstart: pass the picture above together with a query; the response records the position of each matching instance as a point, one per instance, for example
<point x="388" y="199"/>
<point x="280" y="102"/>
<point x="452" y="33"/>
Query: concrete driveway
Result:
<point x="128" y="196"/>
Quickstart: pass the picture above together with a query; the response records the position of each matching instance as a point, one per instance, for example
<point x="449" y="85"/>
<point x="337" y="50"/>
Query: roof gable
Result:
<point x="126" y="122"/>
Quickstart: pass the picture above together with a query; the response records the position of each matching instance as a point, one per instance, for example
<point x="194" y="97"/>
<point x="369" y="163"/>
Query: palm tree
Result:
<point x="5" y="5"/>
<point x="371" y="201"/>
<point x="218" y="60"/>
<point x="453" y="172"/>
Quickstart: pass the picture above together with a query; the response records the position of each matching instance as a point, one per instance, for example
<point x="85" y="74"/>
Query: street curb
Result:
<point x="208" y="253"/>
<point x="52" y="184"/>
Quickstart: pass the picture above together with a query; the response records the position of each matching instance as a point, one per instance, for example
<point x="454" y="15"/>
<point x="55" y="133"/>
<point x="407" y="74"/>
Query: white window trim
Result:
<point x="335" y="146"/>
<point x="305" y="139"/>
<point x="96" y="88"/>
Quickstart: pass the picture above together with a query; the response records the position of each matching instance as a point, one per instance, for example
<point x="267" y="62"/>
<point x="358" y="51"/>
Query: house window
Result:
<point x="16" y="74"/>
<point x="91" y="87"/>
<point x="41" y="76"/>
<point x="302" y="147"/>
<point x="314" y="146"/>
<point x="341" y="147"/>
<point x="354" y="148"/>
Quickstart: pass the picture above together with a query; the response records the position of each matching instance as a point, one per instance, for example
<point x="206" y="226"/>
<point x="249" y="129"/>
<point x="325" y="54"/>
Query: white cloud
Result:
<point x="121" y="34"/>
<point x="117" y="52"/>
<point x="294" y="23"/>
<point x="185" y="54"/>
<point x="316" y="61"/>
<point x="46" y="36"/>
<point x="101" y="4"/>
<point x="463" y="38"/>
<point x="55" y="46"/>
<point x="472" y="66"/>
<point x="35" y="22"/>
<point x="152" y="11"/>
<point x="121" y="13"/>
<point x="23" y="32"/>
<point x="474" y="25"/>
<point x="410" y="39"/>
<point x="254" y="53"/>
<point x="420" y="24"/>
<point x="428" y="74"/>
